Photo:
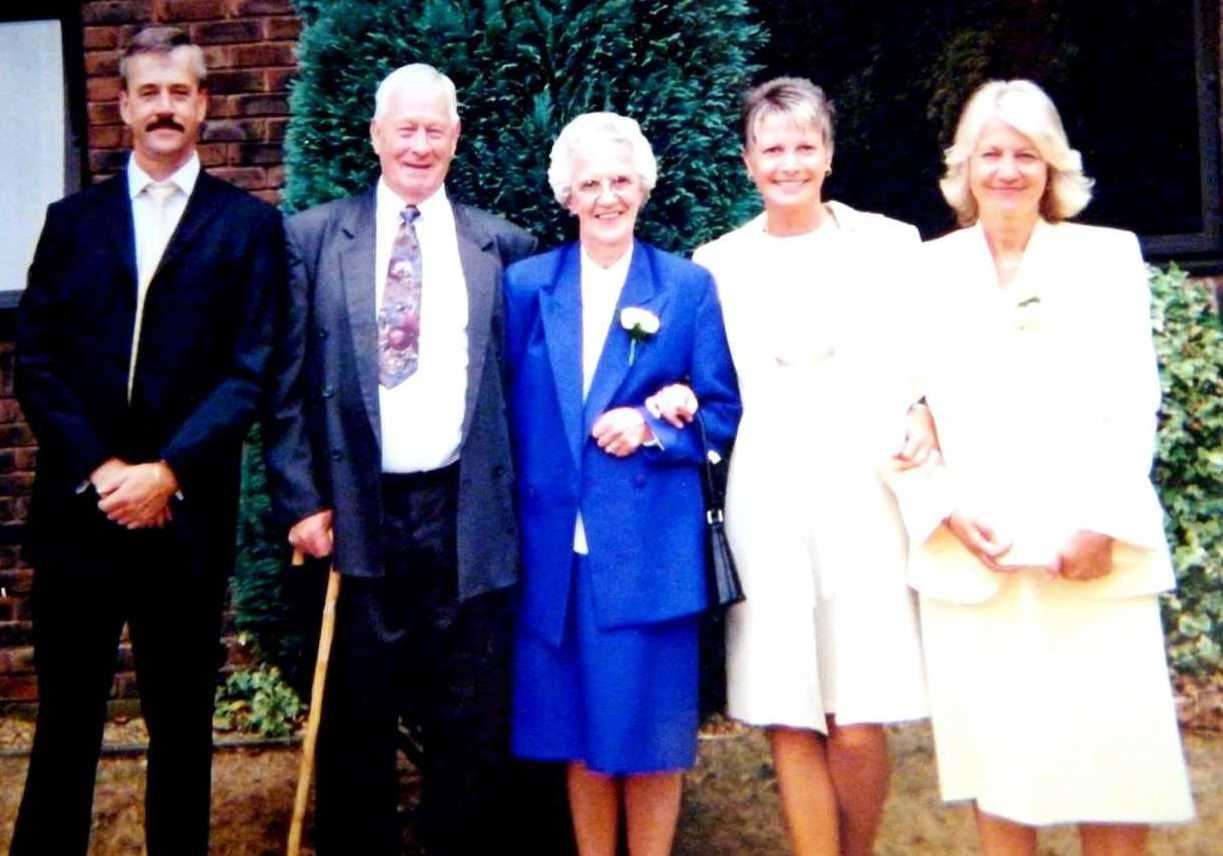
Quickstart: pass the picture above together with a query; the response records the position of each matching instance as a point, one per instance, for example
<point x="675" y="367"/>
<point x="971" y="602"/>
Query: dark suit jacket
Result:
<point x="322" y="431"/>
<point x="643" y="513"/>
<point x="209" y="319"/>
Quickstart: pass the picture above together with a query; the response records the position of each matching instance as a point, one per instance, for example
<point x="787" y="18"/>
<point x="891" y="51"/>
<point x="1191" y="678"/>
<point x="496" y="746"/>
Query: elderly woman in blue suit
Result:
<point x="609" y="493"/>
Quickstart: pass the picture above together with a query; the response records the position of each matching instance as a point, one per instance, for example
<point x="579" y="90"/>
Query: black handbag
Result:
<point x="723" y="577"/>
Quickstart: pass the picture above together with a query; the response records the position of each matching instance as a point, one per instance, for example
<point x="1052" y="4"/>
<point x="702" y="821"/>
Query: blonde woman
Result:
<point x="825" y="649"/>
<point x="1040" y="567"/>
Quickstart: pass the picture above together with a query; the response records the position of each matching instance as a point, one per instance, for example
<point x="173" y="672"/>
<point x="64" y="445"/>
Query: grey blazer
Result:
<point x="321" y="427"/>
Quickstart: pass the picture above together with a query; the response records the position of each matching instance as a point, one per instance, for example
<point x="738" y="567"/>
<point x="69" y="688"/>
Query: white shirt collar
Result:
<point x="617" y="273"/>
<point x="388" y="200"/>
<point x="184" y="177"/>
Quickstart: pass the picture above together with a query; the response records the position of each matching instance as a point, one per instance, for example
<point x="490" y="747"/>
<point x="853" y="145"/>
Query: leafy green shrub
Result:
<point x="257" y="701"/>
<point x="1189" y="465"/>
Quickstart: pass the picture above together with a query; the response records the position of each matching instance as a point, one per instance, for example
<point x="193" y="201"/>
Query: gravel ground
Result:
<point x="730" y="802"/>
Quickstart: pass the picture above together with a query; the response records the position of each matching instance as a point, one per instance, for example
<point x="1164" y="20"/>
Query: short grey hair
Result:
<point x="1025" y="107"/>
<point x="796" y="97"/>
<point x="609" y="127"/>
<point x="164" y="41"/>
<point x="417" y="74"/>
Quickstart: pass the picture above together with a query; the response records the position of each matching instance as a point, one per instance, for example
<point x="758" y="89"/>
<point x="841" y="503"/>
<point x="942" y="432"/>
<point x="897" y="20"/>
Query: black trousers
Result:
<point x="84" y="590"/>
<point x="404" y="644"/>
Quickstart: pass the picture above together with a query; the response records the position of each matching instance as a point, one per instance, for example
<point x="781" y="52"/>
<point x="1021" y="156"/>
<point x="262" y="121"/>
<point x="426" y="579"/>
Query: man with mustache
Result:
<point x="142" y="341"/>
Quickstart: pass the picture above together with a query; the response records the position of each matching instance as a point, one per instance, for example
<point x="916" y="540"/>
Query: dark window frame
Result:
<point x="1201" y="252"/>
<point x="76" y="118"/>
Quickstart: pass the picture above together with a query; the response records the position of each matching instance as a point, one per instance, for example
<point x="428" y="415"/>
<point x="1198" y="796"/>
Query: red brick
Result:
<point x="192" y="10"/>
<point x="25" y="459"/>
<point x="218" y="57"/>
<point x="104" y="113"/>
<point x="247" y="177"/>
<point x="18" y="687"/>
<point x="21" y="509"/>
<point x="221" y="107"/>
<point x="278" y="79"/>
<point x="282" y="28"/>
<point x="211" y="154"/>
<point x="119" y="12"/>
<point x="14" y="580"/>
<point x="245" y="154"/>
<point x="16" y="434"/>
<point x="102" y="89"/>
<point x="264" y="54"/>
<point x="276" y="177"/>
<point x="233" y="130"/>
<point x="8" y="460"/>
<point x="14" y="633"/>
<point x="225" y="32"/>
<point x="276" y="130"/>
<point x="226" y="82"/>
<point x="11" y="483"/>
<point x="10" y="410"/>
<point x="243" y="8"/>
<point x="105" y="160"/>
<point x="107" y="136"/>
<point x="100" y="63"/>
<point x="21" y="659"/>
<point x="126" y="662"/>
<point x="96" y="38"/>
<point x="261" y="105"/>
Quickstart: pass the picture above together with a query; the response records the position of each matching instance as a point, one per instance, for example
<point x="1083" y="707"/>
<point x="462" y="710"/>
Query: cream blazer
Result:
<point x="1045" y="397"/>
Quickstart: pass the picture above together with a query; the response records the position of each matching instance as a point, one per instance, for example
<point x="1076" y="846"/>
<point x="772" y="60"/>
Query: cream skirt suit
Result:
<point x="1050" y="698"/>
<point x="829" y="625"/>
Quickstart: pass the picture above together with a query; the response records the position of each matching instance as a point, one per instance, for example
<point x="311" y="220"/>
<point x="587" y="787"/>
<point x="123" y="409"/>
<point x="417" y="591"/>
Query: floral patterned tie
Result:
<point x="399" y="314"/>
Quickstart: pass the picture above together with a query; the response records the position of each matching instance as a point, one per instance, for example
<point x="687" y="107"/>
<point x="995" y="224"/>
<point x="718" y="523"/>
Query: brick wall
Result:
<point x="248" y="45"/>
<point x="249" y="49"/>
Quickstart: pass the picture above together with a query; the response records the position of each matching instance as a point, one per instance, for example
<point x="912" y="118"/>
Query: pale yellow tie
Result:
<point x="159" y="194"/>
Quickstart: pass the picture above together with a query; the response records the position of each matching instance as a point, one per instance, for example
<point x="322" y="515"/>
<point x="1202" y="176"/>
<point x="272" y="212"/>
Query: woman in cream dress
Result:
<point x="826" y="647"/>
<point x="1038" y="547"/>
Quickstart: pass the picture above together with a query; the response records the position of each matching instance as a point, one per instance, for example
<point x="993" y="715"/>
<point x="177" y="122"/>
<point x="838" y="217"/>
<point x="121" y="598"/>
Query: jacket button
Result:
<point x="328" y="391"/>
<point x="337" y="455"/>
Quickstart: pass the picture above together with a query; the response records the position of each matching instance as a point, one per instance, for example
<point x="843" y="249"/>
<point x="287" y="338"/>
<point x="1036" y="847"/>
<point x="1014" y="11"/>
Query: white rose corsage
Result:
<point x="641" y="325"/>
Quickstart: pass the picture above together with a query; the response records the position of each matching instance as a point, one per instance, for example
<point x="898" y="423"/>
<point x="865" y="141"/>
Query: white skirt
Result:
<point x="1051" y="707"/>
<point x="857" y="656"/>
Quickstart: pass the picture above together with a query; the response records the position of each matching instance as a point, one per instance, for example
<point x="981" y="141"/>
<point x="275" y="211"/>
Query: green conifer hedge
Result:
<point x="523" y="69"/>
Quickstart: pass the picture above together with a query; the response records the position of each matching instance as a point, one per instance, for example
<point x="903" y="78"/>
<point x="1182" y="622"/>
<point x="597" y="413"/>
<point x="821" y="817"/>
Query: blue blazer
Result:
<point x="643" y="514"/>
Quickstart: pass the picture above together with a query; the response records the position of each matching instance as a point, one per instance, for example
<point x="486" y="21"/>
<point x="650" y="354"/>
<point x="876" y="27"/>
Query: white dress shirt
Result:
<point x="422" y="418"/>
<point x="601" y="287"/>
<point x="154" y="222"/>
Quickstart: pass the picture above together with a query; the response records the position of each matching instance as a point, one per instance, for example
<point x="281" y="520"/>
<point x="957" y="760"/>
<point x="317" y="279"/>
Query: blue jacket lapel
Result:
<point x="560" y="309"/>
<point x="640" y="289"/>
<point x="356" y="262"/>
<point x="123" y="229"/>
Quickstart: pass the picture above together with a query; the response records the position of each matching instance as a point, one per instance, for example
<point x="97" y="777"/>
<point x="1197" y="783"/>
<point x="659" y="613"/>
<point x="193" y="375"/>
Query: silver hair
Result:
<point x="609" y="127"/>
<point x="164" y="41"/>
<point x="417" y="74"/>
<point x="1025" y="107"/>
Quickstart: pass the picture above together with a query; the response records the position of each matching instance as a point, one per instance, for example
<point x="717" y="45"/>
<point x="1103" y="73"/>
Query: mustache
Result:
<point x="167" y="122"/>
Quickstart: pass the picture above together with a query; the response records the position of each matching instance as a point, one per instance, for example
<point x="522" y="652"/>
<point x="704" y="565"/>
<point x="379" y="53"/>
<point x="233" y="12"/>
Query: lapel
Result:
<point x="205" y="202"/>
<point x="356" y="258"/>
<point x="481" y="271"/>
<point x="641" y="288"/>
<point x="118" y="215"/>
<point x="560" y="310"/>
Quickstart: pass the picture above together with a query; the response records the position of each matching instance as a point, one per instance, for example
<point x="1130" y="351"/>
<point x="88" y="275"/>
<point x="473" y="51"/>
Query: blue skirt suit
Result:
<point x="606" y="646"/>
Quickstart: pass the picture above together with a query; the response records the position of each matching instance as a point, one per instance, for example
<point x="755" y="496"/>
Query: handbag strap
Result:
<point x="713" y="503"/>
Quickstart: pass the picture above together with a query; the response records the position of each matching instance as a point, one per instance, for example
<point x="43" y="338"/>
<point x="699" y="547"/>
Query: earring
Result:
<point x="828" y="171"/>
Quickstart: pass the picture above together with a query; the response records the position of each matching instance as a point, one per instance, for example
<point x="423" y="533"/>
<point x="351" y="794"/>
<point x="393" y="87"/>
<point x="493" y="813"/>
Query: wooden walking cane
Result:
<point x="306" y="771"/>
